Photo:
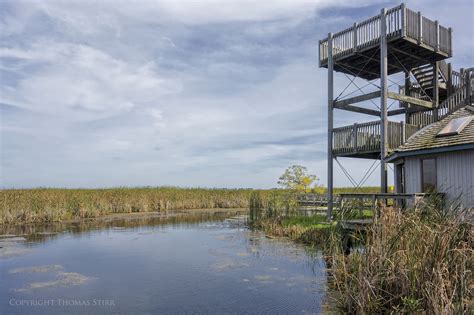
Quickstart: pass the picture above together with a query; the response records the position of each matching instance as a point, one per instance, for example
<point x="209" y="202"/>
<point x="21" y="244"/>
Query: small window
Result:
<point x="428" y="175"/>
<point x="455" y="126"/>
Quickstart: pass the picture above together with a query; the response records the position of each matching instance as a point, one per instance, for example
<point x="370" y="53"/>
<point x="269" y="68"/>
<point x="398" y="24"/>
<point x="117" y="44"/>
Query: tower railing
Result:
<point x="401" y="22"/>
<point x="365" y="137"/>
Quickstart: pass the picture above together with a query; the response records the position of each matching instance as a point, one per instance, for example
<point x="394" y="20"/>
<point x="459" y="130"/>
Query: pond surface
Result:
<point x="206" y="263"/>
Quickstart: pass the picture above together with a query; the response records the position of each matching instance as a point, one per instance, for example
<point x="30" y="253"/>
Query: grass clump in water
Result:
<point x="277" y="214"/>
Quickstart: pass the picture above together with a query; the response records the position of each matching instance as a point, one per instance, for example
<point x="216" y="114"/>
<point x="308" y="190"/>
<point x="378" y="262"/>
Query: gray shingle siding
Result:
<point x="454" y="175"/>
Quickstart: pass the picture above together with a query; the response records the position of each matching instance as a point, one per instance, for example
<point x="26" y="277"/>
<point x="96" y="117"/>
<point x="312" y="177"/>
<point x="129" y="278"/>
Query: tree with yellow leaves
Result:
<point x="296" y="177"/>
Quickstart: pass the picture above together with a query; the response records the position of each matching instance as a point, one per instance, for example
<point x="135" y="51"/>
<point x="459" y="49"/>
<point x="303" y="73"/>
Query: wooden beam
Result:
<point x="396" y="112"/>
<point x="409" y="99"/>
<point x="413" y="56"/>
<point x="358" y="99"/>
<point x="357" y="109"/>
<point x="400" y="68"/>
<point x="355" y="70"/>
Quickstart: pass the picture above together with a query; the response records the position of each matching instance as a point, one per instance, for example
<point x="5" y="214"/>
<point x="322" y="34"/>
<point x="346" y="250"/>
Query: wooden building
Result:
<point x="439" y="157"/>
<point x="396" y="41"/>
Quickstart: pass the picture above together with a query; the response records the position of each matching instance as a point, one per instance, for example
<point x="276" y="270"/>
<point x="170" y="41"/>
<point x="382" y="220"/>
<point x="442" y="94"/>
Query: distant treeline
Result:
<point x="52" y="204"/>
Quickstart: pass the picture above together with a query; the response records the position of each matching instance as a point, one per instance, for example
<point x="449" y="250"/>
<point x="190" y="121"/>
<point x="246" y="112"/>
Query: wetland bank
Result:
<point x="194" y="262"/>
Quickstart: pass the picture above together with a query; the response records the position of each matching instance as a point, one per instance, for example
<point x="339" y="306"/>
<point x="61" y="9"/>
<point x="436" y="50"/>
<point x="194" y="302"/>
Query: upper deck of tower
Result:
<point x="412" y="40"/>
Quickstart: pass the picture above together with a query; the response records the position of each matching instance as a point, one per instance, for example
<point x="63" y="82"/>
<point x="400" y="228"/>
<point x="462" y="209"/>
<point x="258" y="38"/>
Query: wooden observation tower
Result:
<point x="397" y="41"/>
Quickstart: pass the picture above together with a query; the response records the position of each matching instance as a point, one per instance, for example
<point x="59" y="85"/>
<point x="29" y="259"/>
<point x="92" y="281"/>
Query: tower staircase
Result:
<point x="424" y="80"/>
<point x="458" y="92"/>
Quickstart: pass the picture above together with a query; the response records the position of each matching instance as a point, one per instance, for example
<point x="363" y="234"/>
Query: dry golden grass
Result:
<point x="52" y="205"/>
<point x="417" y="262"/>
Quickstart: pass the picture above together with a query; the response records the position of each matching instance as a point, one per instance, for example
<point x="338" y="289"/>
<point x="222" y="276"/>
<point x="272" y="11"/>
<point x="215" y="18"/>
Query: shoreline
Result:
<point x="133" y="215"/>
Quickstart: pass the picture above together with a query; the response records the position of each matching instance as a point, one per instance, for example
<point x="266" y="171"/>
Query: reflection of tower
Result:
<point x="397" y="41"/>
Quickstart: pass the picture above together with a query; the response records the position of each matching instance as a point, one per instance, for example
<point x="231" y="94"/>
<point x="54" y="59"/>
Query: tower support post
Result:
<point x="407" y="93"/>
<point x="330" y="128"/>
<point x="383" y="100"/>
<point x="435" y="90"/>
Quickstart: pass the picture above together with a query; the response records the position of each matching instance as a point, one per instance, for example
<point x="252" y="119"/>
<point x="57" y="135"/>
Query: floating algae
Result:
<point x="37" y="269"/>
<point x="64" y="279"/>
<point x="229" y="264"/>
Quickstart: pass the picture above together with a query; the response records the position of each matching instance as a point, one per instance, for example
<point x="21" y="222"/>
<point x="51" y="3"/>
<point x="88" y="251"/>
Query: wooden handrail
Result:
<point x="365" y="137"/>
<point x="400" y="22"/>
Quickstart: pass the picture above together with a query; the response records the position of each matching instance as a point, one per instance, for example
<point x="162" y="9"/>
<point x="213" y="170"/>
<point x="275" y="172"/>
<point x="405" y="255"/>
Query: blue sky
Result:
<point x="187" y="93"/>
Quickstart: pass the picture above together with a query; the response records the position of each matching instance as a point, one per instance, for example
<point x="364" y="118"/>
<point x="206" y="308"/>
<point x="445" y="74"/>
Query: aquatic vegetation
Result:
<point x="53" y="205"/>
<point x="229" y="264"/>
<point x="278" y="215"/>
<point x="37" y="269"/>
<point x="418" y="261"/>
<point x="40" y="205"/>
<point x="64" y="279"/>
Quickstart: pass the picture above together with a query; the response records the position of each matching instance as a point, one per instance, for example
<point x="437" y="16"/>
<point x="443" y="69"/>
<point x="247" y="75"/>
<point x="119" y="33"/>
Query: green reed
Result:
<point x="417" y="261"/>
<point x="50" y="205"/>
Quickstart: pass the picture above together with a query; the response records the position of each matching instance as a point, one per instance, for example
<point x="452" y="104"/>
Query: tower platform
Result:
<point x="412" y="41"/>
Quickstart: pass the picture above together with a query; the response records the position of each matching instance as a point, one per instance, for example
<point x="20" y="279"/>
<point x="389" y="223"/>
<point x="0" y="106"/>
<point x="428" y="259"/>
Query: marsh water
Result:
<point x="203" y="263"/>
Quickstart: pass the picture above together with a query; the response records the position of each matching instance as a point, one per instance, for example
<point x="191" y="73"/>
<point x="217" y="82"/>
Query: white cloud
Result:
<point x="81" y="82"/>
<point x="91" y="17"/>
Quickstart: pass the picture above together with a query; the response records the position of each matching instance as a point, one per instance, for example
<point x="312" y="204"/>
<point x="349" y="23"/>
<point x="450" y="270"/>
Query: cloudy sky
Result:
<point x="189" y="93"/>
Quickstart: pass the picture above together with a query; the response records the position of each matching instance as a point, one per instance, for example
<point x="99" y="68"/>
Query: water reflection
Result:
<point x="203" y="263"/>
<point x="36" y="233"/>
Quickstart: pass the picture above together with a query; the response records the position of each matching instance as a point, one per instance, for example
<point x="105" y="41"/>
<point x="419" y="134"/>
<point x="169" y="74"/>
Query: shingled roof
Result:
<point x="426" y="138"/>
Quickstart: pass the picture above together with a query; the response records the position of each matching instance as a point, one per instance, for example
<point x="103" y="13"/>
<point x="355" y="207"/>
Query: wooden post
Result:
<point x="330" y="128"/>
<point x="354" y="38"/>
<point x="404" y="133"/>
<point x="468" y="75"/>
<point x="435" y="90"/>
<point x="450" y="80"/>
<point x="383" y="100"/>
<point x="450" y="42"/>
<point x="420" y="28"/>
<point x="407" y="93"/>
<point x="404" y="19"/>
<point x="354" y="137"/>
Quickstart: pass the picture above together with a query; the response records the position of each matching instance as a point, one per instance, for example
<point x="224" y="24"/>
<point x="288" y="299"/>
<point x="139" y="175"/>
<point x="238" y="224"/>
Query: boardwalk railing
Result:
<point x="399" y="200"/>
<point x="365" y="137"/>
<point x="309" y="199"/>
<point x="401" y="22"/>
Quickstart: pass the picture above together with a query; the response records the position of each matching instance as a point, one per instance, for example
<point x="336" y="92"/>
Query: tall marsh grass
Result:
<point x="420" y="261"/>
<point x="277" y="214"/>
<point x="50" y="205"/>
<point x="275" y="205"/>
